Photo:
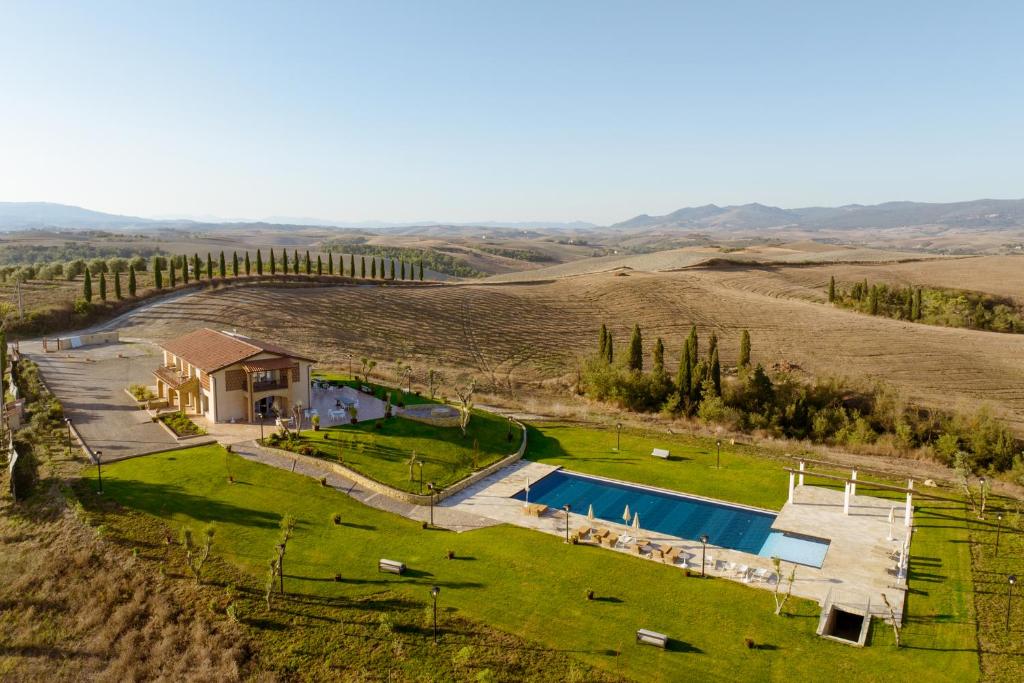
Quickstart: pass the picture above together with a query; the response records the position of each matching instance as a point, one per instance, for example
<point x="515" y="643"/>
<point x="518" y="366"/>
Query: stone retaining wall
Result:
<point x="404" y="496"/>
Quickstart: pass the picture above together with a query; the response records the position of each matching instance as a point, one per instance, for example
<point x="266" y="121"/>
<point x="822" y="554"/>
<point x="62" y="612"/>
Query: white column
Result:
<point x="910" y="503"/>
<point x="792" y="478"/>
<point x="802" y="467"/>
<point x="846" y="498"/>
<point x="853" y="483"/>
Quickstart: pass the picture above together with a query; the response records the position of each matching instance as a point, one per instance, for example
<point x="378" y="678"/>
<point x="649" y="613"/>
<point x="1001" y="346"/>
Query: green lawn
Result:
<point x="447" y="456"/>
<point x="532" y="584"/>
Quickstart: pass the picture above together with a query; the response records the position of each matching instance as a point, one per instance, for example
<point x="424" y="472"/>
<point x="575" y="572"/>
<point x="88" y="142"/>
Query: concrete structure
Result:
<point x="227" y="377"/>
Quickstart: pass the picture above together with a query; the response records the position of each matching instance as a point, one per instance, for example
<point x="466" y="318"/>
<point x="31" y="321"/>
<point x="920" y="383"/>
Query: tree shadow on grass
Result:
<point x="610" y="600"/>
<point x="161" y="499"/>
<point x="364" y="527"/>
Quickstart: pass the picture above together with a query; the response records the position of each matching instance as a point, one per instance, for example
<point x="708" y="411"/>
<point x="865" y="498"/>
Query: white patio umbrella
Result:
<point x="626" y="516"/>
<point x="892" y="516"/>
<point x="636" y="521"/>
<point x="590" y="513"/>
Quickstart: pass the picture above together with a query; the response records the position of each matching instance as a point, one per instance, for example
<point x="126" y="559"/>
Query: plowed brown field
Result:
<point x="516" y="334"/>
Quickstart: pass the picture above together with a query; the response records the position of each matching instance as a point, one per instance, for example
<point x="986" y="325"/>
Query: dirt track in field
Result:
<point x="515" y="334"/>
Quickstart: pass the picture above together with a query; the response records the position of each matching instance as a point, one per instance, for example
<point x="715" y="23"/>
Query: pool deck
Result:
<point x="857" y="566"/>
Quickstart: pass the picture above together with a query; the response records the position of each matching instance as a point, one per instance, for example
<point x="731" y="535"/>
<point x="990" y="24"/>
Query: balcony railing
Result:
<point x="267" y="385"/>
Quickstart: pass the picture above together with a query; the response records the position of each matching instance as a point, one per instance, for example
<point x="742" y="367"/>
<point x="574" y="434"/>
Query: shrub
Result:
<point x="336" y="518"/>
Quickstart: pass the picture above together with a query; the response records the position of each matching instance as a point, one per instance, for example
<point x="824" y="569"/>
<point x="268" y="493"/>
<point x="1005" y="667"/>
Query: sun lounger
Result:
<point x="731" y="567"/>
<point x="599" y="534"/>
<point x="743" y="571"/>
<point x="611" y="540"/>
<point x="535" y="509"/>
<point x="583" y="530"/>
<point x="671" y="555"/>
<point x="660" y="453"/>
<point x="760" y="574"/>
<point x="623" y="541"/>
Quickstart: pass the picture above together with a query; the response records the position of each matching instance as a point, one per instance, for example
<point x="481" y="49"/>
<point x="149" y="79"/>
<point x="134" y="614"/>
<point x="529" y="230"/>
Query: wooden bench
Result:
<point x="390" y="566"/>
<point x="645" y="637"/>
<point x="660" y="453"/>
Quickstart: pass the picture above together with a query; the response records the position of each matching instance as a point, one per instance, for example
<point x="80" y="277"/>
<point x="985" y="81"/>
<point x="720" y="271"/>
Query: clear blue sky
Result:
<point x="520" y="110"/>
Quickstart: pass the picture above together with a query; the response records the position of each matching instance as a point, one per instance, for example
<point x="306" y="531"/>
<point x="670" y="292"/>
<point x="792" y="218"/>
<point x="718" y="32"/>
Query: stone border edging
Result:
<point x="405" y="496"/>
<point x="175" y="435"/>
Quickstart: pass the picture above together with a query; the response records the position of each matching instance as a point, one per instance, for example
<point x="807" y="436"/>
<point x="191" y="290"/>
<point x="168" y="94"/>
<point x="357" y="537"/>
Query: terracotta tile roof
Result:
<point x="210" y="350"/>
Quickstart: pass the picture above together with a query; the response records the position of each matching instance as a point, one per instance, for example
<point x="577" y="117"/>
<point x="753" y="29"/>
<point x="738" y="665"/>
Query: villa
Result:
<point x="227" y="377"/>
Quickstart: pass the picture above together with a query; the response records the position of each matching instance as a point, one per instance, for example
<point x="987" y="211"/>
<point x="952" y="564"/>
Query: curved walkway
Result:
<point x="445" y="516"/>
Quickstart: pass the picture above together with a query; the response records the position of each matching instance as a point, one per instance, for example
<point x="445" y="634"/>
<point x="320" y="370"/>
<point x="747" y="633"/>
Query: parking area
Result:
<point x="90" y="383"/>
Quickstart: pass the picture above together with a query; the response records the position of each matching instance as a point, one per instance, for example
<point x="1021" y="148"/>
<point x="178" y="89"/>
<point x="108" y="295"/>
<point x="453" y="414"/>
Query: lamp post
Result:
<point x="999" y="526"/>
<point x="703" y="553"/>
<point x="430" y="487"/>
<point x="618" y="436"/>
<point x="566" y="507"/>
<point x="434" y="592"/>
<point x="1009" y="590"/>
<point x="260" y="416"/>
<point x="718" y="457"/>
<point x="99" y="468"/>
<point x="67" y="421"/>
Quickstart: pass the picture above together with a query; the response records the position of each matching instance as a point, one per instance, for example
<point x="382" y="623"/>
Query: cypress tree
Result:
<point x="402" y="271"/>
<point x="223" y="267"/>
<point x="309" y="269"/>
<point x="636" y="351"/>
<point x="832" y="289"/>
<point x="234" y="264"/>
<point x="320" y="265"/>
<point x="659" y="357"/>
<point x="172" y="273"/>
<point x="421" y="270"/>
<point x="273" y="263"/>
<point x="184" y="270"/>
<point x="382" y="273"/>
<point x="117" y="286"/>
<point x="712" y="344"/>
<point x="609" y="350"/>
<point x="393" y="268"/>
<point x="197" y="267"/>
<point x="373" y="268"/>
<point x="103" y="286"/>
<point x="917" y="304"/>
<point x="602" y="342"/>
<point x="209" y="266"/>
<point x="158" y="277"/>
<point x="248" y="264"/>
<point x="295" y="262"/>
<point x="259" y="263"/>
<point x="131" y="281"/>
<point x="744" y="349"/>
<point x="692" y="347"/>
<point x="684" y="377"/>
<point x="284" y="260"/>
<point x="362" y="266"/>
<point x="352" y="265"/>
<point x="716" y="373"/>
<point x="330" y="264"/>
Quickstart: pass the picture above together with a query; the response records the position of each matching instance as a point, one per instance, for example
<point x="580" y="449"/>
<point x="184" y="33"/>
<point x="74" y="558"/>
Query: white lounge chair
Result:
<point x="760" y="574"/>
<point x="743" y="571"/>
<point x="712" y="562"/>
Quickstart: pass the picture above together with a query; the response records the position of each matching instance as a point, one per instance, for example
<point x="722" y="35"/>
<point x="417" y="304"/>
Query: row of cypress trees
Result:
<point x="389" y="269"/>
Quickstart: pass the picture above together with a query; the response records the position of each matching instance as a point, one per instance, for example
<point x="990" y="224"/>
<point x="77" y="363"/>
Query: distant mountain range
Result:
<point x="35" y="215"/>
<point x="980" y="214"/>
<point x="977" y="214"/>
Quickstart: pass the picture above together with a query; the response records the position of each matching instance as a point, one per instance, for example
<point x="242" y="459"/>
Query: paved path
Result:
<point x="90" y="384"/>
<point x="445" y="516"/>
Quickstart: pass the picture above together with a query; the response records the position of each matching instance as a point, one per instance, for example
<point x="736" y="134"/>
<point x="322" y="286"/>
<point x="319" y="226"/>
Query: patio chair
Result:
<point x="711" y="562"/>
<point x="731" y="567"/>
<point x="760" y="574"/>
<point x="743" y="571"/>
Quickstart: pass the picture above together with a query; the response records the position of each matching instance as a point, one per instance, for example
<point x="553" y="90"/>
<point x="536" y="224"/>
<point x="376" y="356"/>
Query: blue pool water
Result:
<point x="727" y="526"/>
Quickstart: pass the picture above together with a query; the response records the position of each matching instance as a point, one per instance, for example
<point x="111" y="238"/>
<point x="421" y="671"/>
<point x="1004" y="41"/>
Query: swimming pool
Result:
<point x="675" y="514"/>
